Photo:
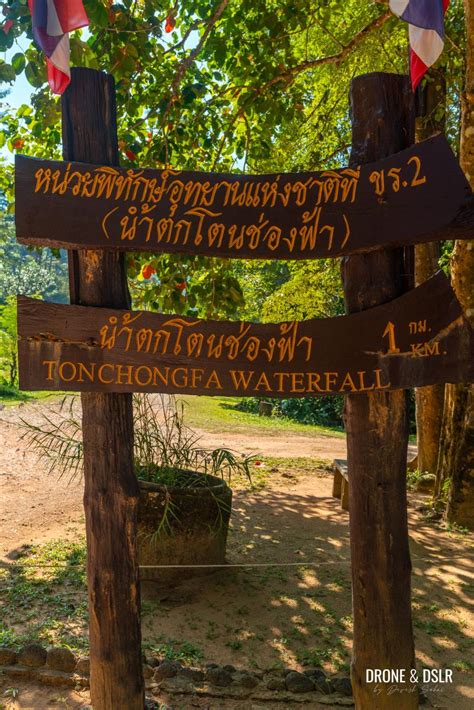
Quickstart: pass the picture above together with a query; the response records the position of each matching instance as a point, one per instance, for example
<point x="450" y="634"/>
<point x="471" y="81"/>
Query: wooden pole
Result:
<point x="98" y="278"/>
<point x="377" y="433"/>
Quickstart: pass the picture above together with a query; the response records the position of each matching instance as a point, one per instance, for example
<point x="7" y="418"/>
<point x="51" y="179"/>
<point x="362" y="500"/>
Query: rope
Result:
<point x="224" y="565"/>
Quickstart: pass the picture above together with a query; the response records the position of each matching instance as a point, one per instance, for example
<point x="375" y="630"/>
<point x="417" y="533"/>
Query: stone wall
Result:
<point x="61" y="667"/>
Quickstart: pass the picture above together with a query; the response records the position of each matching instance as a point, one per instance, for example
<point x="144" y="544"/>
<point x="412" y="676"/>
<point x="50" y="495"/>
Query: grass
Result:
<point x="10" y="396"/>
<point x="43" y="597"/>
<point x="219" y="414"/>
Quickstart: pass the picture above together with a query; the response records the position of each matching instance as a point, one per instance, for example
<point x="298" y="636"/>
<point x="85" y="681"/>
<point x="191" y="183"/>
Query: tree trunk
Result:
<point x="111" y="492"/>
<point x="377" y="433"/>
<point x="429" y="400"/>
<point x="456" y="460"/>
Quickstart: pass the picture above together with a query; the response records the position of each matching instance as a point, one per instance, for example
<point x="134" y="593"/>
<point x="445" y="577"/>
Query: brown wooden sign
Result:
<point x="399" y="200"/>
<point x="418" y="339"/>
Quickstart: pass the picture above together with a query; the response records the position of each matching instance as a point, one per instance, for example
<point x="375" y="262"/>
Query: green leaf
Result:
<point x="18" y="62"/>
<point x="7" y="73"/>
<point x="33" y="76"/>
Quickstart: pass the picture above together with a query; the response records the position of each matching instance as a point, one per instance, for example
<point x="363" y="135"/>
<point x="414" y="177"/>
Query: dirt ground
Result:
<point x="296" y="612"/>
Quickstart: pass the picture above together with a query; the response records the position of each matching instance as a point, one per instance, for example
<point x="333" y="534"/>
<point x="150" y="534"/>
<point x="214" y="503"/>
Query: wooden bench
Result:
<point x="340" y="485"/>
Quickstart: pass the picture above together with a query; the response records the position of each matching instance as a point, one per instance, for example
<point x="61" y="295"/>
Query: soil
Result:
<point x="260" y="616"/>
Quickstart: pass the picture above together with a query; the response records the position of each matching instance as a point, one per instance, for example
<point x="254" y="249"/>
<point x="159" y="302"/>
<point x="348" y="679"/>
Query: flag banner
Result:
<point x="425" y="19"/>
<point x="52" y="21"/>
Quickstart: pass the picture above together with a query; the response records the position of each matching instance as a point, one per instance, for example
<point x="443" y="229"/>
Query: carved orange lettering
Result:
<point x="313" y="382"/>
<point x="378" y="383"/>
<point x="126" y="372"/>
<point x="100" y="375"/>
<point x="331" y="379"/>
<point x="50" y="364"/>
<point x="84" y="371"/>
<point x="181" y="372"/>
<point x="73" y="370"/>
<point x="196" y="377"/>
<point x="362" y="387"/>
<point x="158" y="375"/>
<point x="348" y="382"/>
<point x="297" y="382"/>
<point x="263" y="382"/>
<point x="241" y="379"/>
<point x="148" y="373"/>
<point x="213" y="381"/>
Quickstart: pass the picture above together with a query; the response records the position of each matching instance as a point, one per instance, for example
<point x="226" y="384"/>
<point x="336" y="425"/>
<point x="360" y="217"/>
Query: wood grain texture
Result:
<point x="377" y="434"/>
<point x="111" y="491"/>
<point x="401" y="199"/>
<point x="419" y="338"/>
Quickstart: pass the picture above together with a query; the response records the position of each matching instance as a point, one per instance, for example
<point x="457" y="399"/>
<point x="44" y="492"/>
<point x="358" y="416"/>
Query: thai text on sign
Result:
<point x="286" y="216"/>
<point x="418" y="339"/>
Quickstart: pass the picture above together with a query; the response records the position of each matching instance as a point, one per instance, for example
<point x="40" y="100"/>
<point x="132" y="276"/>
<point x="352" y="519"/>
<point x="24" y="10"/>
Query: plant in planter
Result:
<point x="185" y="500"/>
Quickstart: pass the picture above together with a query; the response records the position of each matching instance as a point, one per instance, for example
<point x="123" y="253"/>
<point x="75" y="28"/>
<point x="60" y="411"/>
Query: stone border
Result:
<point x="60" y="667"/>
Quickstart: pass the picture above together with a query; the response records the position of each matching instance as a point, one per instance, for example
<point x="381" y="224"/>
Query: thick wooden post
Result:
<point x="377" y="433"/>
<point x="111" y="489"/>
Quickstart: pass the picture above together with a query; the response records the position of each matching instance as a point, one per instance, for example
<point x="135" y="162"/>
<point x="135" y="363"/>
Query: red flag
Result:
<point x="52" y="21"/>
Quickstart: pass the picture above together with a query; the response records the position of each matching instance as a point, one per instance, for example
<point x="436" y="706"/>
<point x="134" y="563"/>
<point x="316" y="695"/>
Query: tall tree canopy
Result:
<point x="256" y="85"/>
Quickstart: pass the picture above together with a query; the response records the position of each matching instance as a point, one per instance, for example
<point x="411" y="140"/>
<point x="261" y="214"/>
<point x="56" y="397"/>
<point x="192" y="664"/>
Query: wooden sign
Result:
<point x="418" y="339"/>
<point x="400" y="200"/>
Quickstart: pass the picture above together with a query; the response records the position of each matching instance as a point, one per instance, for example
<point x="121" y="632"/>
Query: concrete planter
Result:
<point x="196" y="526"/>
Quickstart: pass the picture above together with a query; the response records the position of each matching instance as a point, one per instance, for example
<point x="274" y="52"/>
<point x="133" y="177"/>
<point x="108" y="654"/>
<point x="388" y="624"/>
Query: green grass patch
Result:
<point x="11" y="395"/>
<point x="43" y="596"/>
<point x="173" y="650"/>
<point x="219" y="414"/>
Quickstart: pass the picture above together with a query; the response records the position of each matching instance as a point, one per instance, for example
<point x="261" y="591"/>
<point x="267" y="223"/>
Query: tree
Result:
<point x="208" y="95"/>
<point x="30" y="272"/>
<point x="456" y="460"/>
<point x="8" y="347"/>
<point x="429" y="400"/>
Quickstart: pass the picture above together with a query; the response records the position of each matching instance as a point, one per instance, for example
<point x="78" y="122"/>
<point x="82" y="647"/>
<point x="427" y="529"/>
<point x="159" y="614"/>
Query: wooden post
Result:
<point x="377" y="432"/>
<point x="98" y="278"/>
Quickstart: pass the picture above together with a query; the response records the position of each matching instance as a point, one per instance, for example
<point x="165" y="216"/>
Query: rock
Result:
<point x="167" y="669"/>
<point x="422" y="698"/>
<point x="7" y="656"/>
<point x="320" y="680"/>
<point x="61" y="659"/>
<point x="212" y="665"/>
<point x="153" y="661"/>
<point x="193" y="675"/>
<point x="342" y="685"/>
<point x="316" y="674"/>
<point x="279" y="672"/>
<point x="83" y="666"/>
<point x="55" y="678"/>
<point x="151" y="705"/>
<point x="298" y="682"/>
<point x="33" y="655"/>
<point x="21" y="672"/>
<point x="245" y="680"/>
<point x="229" y="668"/>
<point x="324" y="686"/>
<point x="218" y="676"/>
<point x="275" y="683"/>
<point x="148" y="671"/>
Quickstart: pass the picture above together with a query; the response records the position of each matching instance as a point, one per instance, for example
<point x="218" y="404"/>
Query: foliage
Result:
<point x="164" y="447"/>
<point x="203" y="92"/>
<point x="8" y="336"/>
<point x="30" y="272"/>
<point x="313" y="290"/>
<point x="324" y="411"/>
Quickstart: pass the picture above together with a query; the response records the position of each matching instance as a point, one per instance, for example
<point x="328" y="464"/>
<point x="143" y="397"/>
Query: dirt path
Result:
<point x="36" y="506"/>
<point x="257" y="617"/>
